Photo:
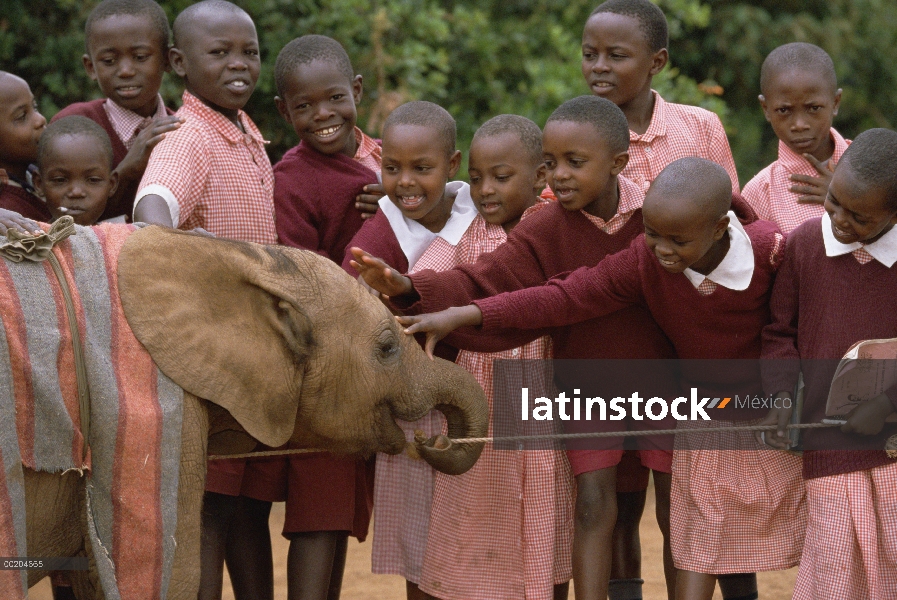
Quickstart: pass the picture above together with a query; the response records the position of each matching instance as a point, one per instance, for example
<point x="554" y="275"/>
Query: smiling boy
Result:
<point x="213" y="172"/>
<point x="800" y="98"/>
<point x="127" y="55"/>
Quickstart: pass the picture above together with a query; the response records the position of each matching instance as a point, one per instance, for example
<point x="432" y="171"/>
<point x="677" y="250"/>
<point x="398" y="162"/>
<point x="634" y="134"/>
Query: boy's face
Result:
<point x="415" y="170"/>
<point x="219" y="60"/>
<point x="858" y="213"/>
<point x="21" y="125"/>
<point x="677" y="233"/>
<point x="76" y="175"/>
<point x="127" y="58"/>
<point x="319" y="102"/>
<point x="617" y="62"/>
<point x="503" y="180"/>
<point x="800" y="107"/>
<point x="580" y="167"/>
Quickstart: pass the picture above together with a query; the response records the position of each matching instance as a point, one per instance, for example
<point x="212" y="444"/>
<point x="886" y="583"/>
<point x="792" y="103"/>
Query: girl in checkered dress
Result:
<point x="504" y="529"/>
<point x="421" y="207"/>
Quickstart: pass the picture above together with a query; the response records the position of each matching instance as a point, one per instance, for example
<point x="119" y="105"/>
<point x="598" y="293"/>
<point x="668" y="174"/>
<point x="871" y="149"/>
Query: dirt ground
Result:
<point x="361" y="584"/>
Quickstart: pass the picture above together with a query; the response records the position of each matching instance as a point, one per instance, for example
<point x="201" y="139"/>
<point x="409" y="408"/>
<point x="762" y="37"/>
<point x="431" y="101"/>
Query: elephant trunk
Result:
<point x="463" y="402"/>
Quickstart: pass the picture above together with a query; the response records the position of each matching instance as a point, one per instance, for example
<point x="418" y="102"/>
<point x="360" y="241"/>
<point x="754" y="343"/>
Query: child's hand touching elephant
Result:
<point x="440" y="324"/>
<point x="380" y="276"/>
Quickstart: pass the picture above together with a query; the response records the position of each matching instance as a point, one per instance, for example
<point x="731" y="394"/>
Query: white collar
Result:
<point x="414" y="238"/>
<point x="737" y="267"/>
<point x="884" y="249"/>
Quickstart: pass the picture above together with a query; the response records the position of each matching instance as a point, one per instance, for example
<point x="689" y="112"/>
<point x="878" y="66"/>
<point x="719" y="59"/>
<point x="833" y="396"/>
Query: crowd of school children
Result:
<point x="623" y="214"/>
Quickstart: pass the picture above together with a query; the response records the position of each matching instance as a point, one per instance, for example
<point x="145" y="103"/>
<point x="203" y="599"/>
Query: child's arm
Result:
<point x="130" y="169"/>
<point x="380" y="276"/>
<point x="10" y="219"/>
<point x="438" y="325"/>
<point x="154" y="210"/>
<point x="586" y="293"/>
<point x="813" y="190"/>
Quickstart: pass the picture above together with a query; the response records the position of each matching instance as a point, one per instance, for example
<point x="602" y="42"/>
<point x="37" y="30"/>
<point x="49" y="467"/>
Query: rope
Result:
<point x="558" y="436"/>
<point x="36" y="248"/>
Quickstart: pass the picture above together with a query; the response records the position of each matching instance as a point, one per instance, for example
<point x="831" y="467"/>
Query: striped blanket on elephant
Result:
<point x="131" y="468"/>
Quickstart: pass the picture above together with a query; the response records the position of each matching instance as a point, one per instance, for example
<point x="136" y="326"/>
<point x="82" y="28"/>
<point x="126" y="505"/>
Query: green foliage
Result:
<point x="479" y="58"/>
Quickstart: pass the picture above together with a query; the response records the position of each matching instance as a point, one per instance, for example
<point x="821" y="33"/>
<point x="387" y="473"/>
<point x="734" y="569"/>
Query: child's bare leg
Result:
<point x="593" y="528"/>
<point x="561" y="591"/>
<point x="312" y="569"/>
<point x="738" y="586"/>
<point x="662" y="485"/>
<point x="248" y="553"/>
<point x="695" y="586"/>
<point x="626" y="564"/>
<point x="217" y="515"/>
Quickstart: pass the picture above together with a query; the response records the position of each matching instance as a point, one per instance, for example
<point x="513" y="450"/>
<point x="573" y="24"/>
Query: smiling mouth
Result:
<point x="601" y="86"/>
<point x="128" y="90"/>
<point x="327" y="132"/>
<point x="840" y="233"/>
<point x="490" y="207"/>
<point x="411" y="202"/>
<point x="238" y="85"/>
<point x="667" y="263"/>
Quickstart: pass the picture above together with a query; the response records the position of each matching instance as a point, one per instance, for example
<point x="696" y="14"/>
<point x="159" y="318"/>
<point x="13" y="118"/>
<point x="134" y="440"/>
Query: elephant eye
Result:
<point x="387" y="349"/>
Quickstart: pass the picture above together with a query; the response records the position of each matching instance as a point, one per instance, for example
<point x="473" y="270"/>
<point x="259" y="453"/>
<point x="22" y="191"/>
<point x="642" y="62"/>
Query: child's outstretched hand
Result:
<point x="813" y="190"/>
<point x="869" y="417"/>
<point x="780" y="417"/>
<point x="135" y="161"/>
<point x="440" y="324"/>
<point x="379" y="275"/>
<point x="10" y="219"/>
<point x="368" y="202"/>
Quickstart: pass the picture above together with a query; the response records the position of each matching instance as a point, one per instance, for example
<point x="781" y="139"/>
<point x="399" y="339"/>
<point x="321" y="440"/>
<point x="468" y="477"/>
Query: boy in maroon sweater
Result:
<point x="837" y="287"/>
<point x="598" y="214"/>
<point x="127" y="54"/>
<point x="316" y="189"/>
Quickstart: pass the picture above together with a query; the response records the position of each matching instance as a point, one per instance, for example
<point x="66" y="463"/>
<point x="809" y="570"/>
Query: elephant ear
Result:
<point x="211" y="316"/>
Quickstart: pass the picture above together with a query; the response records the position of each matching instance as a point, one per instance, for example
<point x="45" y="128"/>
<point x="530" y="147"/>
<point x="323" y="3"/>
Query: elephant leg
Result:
<point x="52" y="516"/>
<point x="191" y="483"/>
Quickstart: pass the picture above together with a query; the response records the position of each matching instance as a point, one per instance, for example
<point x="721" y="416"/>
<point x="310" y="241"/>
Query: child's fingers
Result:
<point x="405" y="321"/>
<point x="430" y="347"/>
<point x="824" y="168"/>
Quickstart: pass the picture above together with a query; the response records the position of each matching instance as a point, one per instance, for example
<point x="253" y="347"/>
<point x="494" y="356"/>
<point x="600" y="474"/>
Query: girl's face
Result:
<point x="858" y="213"/>
<point x="416" y="167"/>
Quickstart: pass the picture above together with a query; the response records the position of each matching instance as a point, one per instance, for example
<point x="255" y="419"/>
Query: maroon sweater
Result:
<point x="314" y="200"/>
<point x="17" y="199"/>
<point x="550" y="242"/>
<point x="94" y="111"/>
<point x="723" y="325"/>
<point x="820" y="307"/>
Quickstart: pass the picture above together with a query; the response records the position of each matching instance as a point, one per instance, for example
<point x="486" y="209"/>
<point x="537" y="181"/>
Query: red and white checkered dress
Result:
<point x="769" y="192"/>
<point x="504" y="529"/>
<point x="735" y="507"/>
<point x="214" y="176"/>
<point x="851" y="545"/>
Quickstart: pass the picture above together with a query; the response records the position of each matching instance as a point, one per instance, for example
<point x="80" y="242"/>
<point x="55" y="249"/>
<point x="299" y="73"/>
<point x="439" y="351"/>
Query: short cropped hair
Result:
<point x="194" y="13"/>
<point x="73" y="125"/>
<point x="139" y="8"/>
<point x="798" y="56"/>
<point x="306" y="49"/>
<point x="703" y="181"/>
<point x="871" y="158"/>
<point x="425" y="114"/>
<point x="652" y="21"/>
<point x="529" y="133"/>
<point x="603" y="114"/>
